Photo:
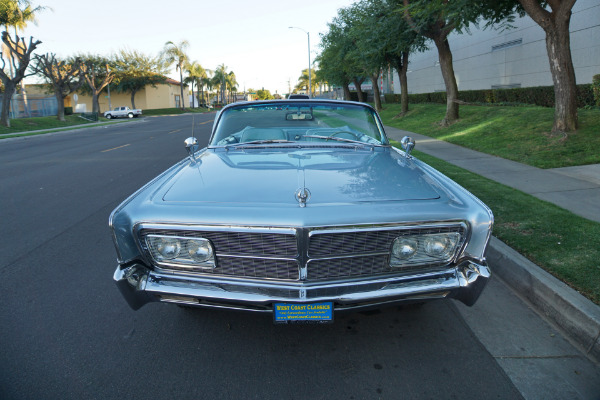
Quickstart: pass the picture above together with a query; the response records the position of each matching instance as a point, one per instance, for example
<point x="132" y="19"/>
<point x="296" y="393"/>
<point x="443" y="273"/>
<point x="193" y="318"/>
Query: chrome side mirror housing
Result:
<point x="408" y="144"/>
<point x="191" y="145"/>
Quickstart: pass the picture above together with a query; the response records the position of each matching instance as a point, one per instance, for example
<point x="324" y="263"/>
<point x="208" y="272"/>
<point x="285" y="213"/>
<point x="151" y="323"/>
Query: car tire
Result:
<point x="130" y="115"/>
<point x="108" y="116"/>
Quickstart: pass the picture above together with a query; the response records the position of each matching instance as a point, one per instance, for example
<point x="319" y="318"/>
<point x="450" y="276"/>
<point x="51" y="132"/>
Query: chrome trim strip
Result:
<point x="221" y="255"/>
<point x="386" y="227"/>
<point x="216" y="228"/>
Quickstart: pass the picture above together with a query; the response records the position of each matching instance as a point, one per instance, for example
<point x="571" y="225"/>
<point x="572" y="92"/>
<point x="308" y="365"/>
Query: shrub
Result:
<point x="596" y="89"/>
<point x="587" y="95"/>
<point x="68" y="110"/>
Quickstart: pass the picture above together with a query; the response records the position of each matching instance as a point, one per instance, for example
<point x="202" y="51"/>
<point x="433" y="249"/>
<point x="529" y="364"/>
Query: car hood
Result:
<point x="273" y="176"/>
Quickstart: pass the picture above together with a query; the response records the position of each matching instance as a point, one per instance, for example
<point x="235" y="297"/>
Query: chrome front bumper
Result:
<point x="140" y="285"/>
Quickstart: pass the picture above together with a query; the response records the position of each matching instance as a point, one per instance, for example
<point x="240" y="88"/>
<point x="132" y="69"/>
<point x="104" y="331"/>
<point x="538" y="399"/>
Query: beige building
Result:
<point x="164" y="95"/>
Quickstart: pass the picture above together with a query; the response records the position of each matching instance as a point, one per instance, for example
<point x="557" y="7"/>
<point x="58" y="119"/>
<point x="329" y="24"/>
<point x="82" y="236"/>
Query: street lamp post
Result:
<point x="309" y="78"/>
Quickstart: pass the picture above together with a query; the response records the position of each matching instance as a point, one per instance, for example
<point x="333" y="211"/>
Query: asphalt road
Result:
<point x="66" y="332"/>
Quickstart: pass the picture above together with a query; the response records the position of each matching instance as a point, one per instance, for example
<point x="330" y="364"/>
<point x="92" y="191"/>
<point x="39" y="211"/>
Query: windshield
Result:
<point x="295" y="121"/>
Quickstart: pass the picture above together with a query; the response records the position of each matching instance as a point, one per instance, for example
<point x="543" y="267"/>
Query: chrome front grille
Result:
<point x="326" y="254"/>
<point x="257" y="268"/>
<point x="255" y="244"/>
<point x="367" y="241"/>
<point x="348" y="267"/>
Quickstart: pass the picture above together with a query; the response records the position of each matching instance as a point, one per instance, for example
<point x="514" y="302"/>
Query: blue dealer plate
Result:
<point x="307" y="312"/>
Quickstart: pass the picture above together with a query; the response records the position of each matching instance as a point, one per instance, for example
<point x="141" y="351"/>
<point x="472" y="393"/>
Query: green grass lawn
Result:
<point x="39" y="123"/>
<point x="564" y="244"/>
<point x="36" y="126"/>
<point x="521" y="134"/>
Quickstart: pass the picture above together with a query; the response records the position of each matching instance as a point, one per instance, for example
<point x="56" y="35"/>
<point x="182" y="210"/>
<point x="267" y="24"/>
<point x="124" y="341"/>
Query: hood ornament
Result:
<point x="302" y="195"/>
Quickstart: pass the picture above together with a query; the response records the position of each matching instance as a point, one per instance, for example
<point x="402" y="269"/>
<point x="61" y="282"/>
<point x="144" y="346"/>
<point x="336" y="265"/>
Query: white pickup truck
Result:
<point x="122" y="112"/>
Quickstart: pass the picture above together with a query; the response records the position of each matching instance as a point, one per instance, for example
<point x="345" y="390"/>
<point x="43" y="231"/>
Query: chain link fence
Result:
<point x="27" y="106"/>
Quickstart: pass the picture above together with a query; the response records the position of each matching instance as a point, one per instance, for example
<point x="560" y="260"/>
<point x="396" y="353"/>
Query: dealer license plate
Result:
<point x="306" y="312"/>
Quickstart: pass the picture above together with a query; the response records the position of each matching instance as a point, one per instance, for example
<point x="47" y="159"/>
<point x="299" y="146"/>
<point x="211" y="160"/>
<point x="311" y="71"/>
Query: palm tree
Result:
<point x="176" y="53"/>
<point x="303" y="81"/>
<point x="220" y="79"/>
<point x="231" y="84"/>
<point x="195" y="74"/>
<point x="206" y="81"/>
<point x="18" y="13"/>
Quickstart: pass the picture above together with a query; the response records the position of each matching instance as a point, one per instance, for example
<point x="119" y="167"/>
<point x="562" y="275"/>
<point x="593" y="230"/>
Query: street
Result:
<point x="67" y="333"/>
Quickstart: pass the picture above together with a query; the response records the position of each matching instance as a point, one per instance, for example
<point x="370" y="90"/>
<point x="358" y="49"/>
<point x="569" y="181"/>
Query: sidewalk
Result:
<point x="576" y="189"/>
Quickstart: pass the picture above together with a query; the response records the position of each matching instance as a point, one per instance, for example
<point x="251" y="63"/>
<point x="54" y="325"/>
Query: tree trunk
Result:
<point x="133" y="93"/>
<point x="563" y="75"/>
<point x="181" y="87"/>
<point x="359" y="91"/>
<point x="555" y="24"/>
<point x="445" y="56"/>
<point x="347" y="92"/>
<point x="95" y="103"/>
<point x="376" y="92"/>
<point x="60" y="103"/>
<point x="402" y="68"/>
<point x="9" y="90"/>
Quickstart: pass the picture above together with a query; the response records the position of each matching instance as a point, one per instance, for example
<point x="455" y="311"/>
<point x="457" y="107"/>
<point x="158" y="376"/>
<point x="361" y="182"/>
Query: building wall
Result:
<point x="516" y="57"/>
<point x="163" y="96"/>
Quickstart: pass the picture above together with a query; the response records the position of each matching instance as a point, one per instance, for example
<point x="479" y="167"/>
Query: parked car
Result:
<point x="123" y="112"/>
<point x="300" y="217"/>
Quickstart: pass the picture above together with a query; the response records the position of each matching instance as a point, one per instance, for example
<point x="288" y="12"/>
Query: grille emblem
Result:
<point x="302" y="195"/>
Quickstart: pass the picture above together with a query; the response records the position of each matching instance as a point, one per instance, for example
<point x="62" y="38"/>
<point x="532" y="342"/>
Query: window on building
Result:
<point x="177" y="101"/>
<point x="507" y="45"/>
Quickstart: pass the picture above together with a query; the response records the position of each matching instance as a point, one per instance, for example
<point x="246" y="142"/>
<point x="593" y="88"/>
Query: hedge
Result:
<point x="540" y="96"/>
<point x="596" y="89"/>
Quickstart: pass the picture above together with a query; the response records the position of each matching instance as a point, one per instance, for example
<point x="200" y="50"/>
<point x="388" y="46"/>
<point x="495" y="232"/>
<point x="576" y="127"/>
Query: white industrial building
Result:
<point x="490" y="59"/>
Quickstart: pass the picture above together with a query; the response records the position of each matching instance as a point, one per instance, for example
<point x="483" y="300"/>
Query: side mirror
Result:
<point x="191" y="145"/>
<point x="408" y="144"/>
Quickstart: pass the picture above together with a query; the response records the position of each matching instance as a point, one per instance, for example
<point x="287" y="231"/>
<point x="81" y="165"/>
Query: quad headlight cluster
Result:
<point x="186" y="252"/>
<point x="435" y="248"/>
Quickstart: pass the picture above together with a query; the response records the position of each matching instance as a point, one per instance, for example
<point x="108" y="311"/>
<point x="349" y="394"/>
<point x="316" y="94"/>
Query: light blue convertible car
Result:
<point x="300" y="208"/>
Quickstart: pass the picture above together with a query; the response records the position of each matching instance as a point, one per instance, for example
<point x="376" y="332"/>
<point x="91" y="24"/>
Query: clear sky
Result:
<point x="251" y="37"/>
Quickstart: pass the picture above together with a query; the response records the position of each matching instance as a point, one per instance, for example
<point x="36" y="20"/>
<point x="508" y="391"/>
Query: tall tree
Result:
<point x="17" y="14"/>
<point x="19" y="57"/>
<point x="134" y="71"/>
<point x="65" y="77"/>
<point x="336" y="57"/>
<point x="97" y="74"/>
<point x="303" y="81"/>
<point x="177" y="53"/>
<point x="231" y="85"/>
<point x="206" y="82"/>
<point x="219" y="80"/>
<point x="436" y="19"/>
<point x="195" y="73"/>
<point x="388" y="37"/>
<point x="555" y="22"/>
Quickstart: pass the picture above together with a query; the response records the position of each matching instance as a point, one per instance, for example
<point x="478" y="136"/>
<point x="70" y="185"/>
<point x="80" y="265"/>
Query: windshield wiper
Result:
<point x="266" y="141"/>
<point x="339" y="139"/>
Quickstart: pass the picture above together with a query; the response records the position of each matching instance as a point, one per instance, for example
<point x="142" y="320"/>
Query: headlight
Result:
<point x="185" y="252"/>
<point x="167" y="248"/>
<point x="404" y="248"/>
<point x="425" y="249"/>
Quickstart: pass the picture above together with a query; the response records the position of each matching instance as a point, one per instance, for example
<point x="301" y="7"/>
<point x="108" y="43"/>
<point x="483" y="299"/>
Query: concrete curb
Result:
<point x="577" y="316"/>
